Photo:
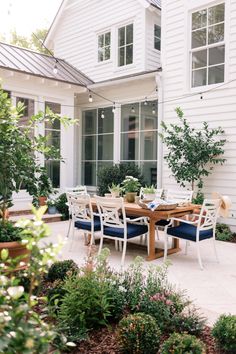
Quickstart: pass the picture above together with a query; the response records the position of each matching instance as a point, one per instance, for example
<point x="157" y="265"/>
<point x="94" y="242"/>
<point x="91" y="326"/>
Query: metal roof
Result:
<point x="41" y="65"/>
<point x="156" y="3"/>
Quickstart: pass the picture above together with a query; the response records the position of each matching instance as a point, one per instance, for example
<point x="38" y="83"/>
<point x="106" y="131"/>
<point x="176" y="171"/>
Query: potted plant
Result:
<point x="51" y="203"/>
<point x="149" y="192"/>
<point x="115" y="190"/>
<point x="44" y="187"/>
<point x="131" y="186"/>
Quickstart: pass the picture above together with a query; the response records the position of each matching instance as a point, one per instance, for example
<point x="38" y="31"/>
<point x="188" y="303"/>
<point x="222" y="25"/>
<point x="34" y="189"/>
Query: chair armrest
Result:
<point x="184" y="221"/>
<point x="141" y="218"/>
<point x="96" y="214"/>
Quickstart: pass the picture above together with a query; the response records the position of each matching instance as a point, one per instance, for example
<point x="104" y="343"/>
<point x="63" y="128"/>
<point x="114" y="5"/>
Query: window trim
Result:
<point x="125" y="46"/>
<point x="207" y="46"/>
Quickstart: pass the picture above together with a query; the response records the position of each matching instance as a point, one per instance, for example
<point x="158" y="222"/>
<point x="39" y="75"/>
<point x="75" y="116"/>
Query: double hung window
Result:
<point x="125" y="45"/>
<point x="104" y="46"/>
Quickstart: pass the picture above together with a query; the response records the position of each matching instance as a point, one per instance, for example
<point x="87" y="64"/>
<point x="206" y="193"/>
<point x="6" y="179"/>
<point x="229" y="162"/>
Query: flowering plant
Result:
<point x="130" y="184"/>
<point x="51" y="202"/>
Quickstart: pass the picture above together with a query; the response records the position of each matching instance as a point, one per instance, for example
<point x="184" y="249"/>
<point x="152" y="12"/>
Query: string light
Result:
<point x="145" y="102"/>
<point x="153" y="109"/>
<point x="55" y="69"/>
<point x="90" y="97"/>
<point x="201" y="96"/>
<point x="132" y="109"/>
<point x="114" y="108"/>
<point x="102" y="114"/>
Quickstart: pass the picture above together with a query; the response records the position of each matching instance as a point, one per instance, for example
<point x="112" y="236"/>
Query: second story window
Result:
<point x="104" y="46"/>
<point x="208" y="46"/>
<point x="125" y="45"/>
<point x="157" y="37"/>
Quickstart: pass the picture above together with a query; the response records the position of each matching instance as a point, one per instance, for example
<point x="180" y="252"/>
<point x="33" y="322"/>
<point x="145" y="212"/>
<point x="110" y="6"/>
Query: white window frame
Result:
<point x="125" y="46"/>
<point x="154" y="27"/>
<point x="104" y="46"/>
<point x="207" y="46"/>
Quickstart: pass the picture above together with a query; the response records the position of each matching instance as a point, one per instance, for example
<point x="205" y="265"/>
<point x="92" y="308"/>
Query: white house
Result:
<point x="131" y="54"/>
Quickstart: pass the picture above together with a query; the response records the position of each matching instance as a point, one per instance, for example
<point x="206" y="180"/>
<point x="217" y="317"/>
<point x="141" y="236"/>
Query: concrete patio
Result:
<point x="213" y="290"/>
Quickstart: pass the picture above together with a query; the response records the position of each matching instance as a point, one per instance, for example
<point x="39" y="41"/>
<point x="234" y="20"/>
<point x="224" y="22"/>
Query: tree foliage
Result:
<point x="192" y="153"/>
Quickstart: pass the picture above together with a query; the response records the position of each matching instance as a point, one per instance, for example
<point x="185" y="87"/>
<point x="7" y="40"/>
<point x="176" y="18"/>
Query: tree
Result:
<point x="192" y="153"/>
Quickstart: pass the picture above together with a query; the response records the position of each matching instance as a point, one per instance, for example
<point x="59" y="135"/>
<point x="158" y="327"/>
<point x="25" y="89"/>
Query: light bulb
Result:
<point x="145" y="102"/>
<point x="102" y="115"/>
<point x="132" y="109"/>
<point x="55" y="69"/>
<point x="153" y="109"/>
<point x="90" y="98"/>
<point x="113" y="108"/>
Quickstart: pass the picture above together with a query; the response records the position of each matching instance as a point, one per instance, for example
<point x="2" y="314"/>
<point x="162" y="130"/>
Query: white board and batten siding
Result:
<point x="217" y="107"/>
<point x="76" y="35"/>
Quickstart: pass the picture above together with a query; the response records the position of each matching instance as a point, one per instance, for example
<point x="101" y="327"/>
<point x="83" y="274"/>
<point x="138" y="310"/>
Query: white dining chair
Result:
<point x="73" y="191"/>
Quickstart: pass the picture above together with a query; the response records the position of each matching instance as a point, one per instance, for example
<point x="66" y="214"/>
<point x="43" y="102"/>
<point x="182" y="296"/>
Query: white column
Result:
<point x="159" y="82"/>
<point x="117" y="137"/>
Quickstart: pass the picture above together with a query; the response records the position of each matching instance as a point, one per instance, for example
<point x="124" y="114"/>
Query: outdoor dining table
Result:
<point x="133" y="209"/>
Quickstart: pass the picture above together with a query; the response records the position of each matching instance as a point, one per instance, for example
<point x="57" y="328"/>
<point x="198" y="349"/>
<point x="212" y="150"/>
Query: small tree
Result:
<point x="192" y="153"/>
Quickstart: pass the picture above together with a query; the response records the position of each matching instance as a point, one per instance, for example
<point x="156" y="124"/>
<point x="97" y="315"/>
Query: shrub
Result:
<point x="224" y="332"/>
<point x="223" y="232"/>
<point x="116" y="174"/>
<point x="9" y="232"/>
<point x="62" y="207"/>
<point x="182" y="343"/>
<point x="59" y="270"/>
<point x="190" y="322"/>
<point x="139" y="334"/>
<point x="55" y="296"/>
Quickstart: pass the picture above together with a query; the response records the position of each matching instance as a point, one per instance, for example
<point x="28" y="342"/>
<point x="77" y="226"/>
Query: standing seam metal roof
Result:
<point x="156" y="3"/>
<point x="38" y="64"/>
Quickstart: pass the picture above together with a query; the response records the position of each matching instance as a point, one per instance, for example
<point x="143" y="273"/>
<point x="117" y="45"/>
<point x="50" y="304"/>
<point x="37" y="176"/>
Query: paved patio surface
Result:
<point x="213" y="290"/>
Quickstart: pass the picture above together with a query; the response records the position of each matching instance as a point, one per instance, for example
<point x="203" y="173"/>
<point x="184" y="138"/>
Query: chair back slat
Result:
<point x="208" y="214"/>
<point x="111" y="210"/>
<point x="81" y="207"/>
<point x="179" y="195"/>
<point x="74" y="191"/>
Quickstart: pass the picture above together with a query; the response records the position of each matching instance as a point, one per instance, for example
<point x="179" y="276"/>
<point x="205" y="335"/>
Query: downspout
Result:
<point x="159" y="83"/>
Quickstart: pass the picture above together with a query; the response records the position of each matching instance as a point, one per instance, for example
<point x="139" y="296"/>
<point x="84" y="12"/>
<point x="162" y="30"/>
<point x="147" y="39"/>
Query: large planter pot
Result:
<point x="42" y="201"/>
<point x="52" y="210"/>
<point x="16" y="249"/>
<point x="130" y="197"/>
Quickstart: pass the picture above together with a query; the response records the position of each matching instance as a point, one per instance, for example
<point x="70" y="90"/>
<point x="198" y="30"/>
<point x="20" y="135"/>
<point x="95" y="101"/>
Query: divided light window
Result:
<point x="157" y="37"/>
<point x="208" y="46"/>
<point x="104" y="46"/>
<point x="125" y="45"/>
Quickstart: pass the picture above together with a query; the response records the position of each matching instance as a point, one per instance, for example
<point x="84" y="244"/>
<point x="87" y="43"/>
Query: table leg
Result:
<point x="152" y="230"/>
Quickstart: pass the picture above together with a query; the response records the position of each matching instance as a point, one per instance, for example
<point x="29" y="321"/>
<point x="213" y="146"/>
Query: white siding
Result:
<point x="218" y="107"/>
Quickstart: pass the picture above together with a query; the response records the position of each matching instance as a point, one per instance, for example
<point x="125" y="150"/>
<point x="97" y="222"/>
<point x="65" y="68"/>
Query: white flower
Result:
<point x="15" y="291"/>
<point x="122" y="289"/>
<point x="24" y="242"/>
<point x="3" y="280"/>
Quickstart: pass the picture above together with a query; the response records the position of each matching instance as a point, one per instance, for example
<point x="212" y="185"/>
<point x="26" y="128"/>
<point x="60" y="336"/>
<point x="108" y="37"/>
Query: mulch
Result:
<point x="104" y="341"/>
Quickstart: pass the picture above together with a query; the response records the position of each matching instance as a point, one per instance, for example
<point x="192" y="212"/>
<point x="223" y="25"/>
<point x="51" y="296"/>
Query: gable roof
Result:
<point x="41" y="65"/>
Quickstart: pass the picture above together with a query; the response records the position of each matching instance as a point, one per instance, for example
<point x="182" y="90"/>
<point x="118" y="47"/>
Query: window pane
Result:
<point x="101" y="40"/>
<point x="89" y="122"/>
<point x="105" y="147"/>
<point x="107" y="53"/>
<point x="216" y="14"/>
<point x="157" y="31"/>
<point x="129" y="54"/>
<point x="53" y="171"/>
<point x="129" y="146"/>
<point x="198" y="38"/>
<point x="121" y="35"/>
<point x="55" y="108"/>
<point x="216" y="74"/>
<point x="121" y="56"/>
<point x="130" y="117"/>
<point x="199" y="77"/>
<point x="199" y="19"/>
<point x="28" y="110"/>
<point x="157" y="43"/>
<point x="148" y="145"/>
<point x="89" y="148"/>
<point x="148" y="119"/>
<point x="105" y="125"/>
<point x="53" y="137"/>
<point x="129" y="34"/>
<point x="216" y="34"/>
<point x="199" y="59"/>
<point x="217" y="55"/>
<point x="100" y="54"/>
<point x="108" y="38"/>
<point x="149" y="170"/>
<point x="89" y="173"/>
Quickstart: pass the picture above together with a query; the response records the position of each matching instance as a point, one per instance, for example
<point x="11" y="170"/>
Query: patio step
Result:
<point x="46" y="217"/>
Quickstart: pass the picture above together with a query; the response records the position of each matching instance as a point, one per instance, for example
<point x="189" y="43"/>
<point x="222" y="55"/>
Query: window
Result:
<point x="28" y="110"/>
<point x="208" y="47"/>
<point x="104" y="46"/>
<point x="125" y="45"/>
<point x="157" y="37"/>
<point x="139" y="137"/>
<point x="97" y="143"/>
<point x="53" y="132"/>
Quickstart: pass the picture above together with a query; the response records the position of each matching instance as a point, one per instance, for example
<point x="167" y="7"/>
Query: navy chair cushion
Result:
<point x="162" y="222"/>
<point x="86" y="225"/>
<point x="133" y="230"/>
<point x="188" y="232"/>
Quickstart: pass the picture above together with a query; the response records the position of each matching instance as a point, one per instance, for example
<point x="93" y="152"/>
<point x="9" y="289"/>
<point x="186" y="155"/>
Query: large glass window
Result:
<point x="139" y="137"/>
<point x="125" y="45"/>
<point x="97" y="143"/>
<point x="53" y="132"/>
<point x="157" y="37"/>
<point x="104" y="46"/>
<point x="208" y="48"/>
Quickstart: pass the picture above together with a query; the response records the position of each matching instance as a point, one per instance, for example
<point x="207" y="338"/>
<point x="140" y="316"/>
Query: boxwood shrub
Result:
<point x="224" y="331"/>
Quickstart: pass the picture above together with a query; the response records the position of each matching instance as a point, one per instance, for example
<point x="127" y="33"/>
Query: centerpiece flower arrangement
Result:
<point x="130" y="186"/>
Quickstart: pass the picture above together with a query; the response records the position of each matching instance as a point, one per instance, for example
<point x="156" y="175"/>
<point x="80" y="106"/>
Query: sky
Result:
<point x="26" y="15"/>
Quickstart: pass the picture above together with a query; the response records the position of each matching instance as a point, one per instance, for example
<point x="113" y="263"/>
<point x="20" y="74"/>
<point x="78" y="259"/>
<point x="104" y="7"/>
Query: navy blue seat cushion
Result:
<point x="188" y="232"/>
<point x="86" y="225"/>
<point x="162" y="222"/>
<point x="133" y="230"/>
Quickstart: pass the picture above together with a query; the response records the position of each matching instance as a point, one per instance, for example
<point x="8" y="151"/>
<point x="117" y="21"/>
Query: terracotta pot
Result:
<point x="5" y="213"/>
<point x="16" y="249"/>
<point x="130" y="197"/>
<point x="42" y="201"/>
